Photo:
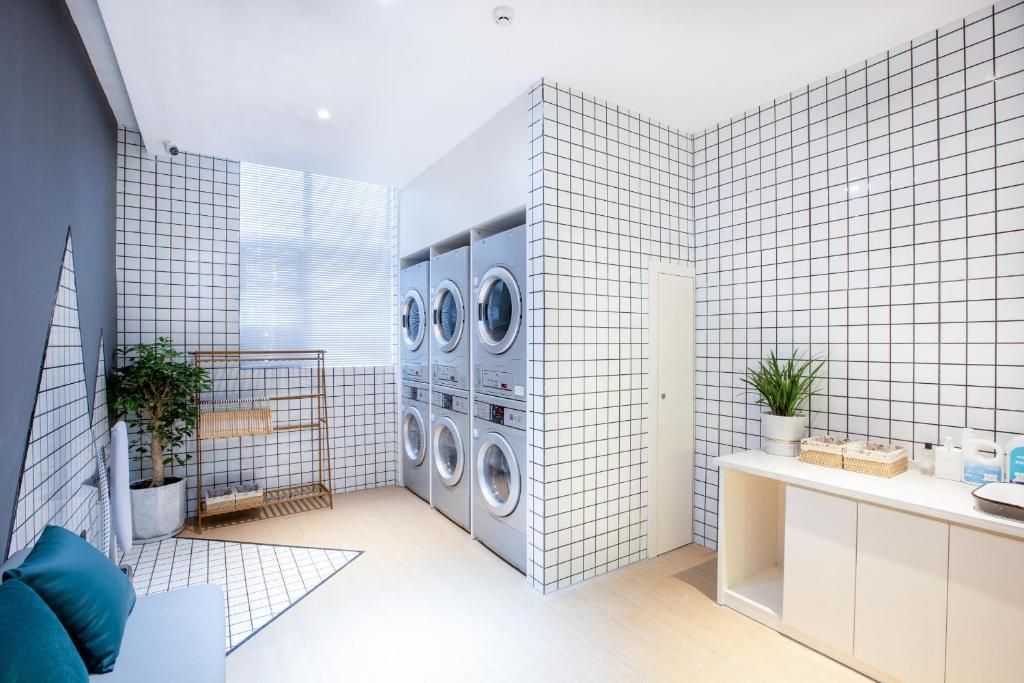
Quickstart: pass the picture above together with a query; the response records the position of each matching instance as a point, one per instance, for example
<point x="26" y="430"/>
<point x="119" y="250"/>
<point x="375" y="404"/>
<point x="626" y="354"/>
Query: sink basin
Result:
<point x="1000" y="498"/>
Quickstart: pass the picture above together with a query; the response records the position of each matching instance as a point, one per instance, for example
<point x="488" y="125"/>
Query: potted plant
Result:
<point x="782" y="387"/>
<point x="156" y="393"/>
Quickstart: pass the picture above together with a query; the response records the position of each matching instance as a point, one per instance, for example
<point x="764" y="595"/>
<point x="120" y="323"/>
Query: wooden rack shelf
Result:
<point x="229" y="411"/>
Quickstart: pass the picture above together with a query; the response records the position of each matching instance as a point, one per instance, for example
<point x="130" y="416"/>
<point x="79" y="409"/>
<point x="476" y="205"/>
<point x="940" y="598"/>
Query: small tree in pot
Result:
<point x="154" y="390"/>
<point x="782" y="387"/>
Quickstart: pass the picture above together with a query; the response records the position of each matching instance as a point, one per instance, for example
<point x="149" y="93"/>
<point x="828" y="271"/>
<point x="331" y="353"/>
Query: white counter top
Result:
<point x="911" y="491"/>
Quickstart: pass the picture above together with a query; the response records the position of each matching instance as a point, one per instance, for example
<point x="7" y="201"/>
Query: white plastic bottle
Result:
<point x="1015" y="460"/>
<point x="981" y="468"/>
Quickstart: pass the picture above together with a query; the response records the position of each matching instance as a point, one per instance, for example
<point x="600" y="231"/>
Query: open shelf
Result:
<point x="751" y="546"/>
<point x="760" y="594"/>
<point x="231" y="408"/>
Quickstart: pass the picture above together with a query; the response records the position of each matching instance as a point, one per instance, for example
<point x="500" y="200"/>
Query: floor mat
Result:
<point x="260" y="581"/>
<point x="703" y="577"/>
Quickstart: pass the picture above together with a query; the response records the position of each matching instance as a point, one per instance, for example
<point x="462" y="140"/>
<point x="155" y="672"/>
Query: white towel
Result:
<point x="120" y="497"/>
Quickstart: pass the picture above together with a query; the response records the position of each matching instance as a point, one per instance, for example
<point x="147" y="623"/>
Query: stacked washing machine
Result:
<point x="499" y="382"/>
<point x="463" y="428"/>
<point x="415" y="359"/>
<point x="449" y="376"/>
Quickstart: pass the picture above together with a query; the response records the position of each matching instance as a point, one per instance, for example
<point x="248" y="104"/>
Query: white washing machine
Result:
<point x="415" y="349"/>
<point x="415" y="439"/>
<point x="499" y="291"/>
<point x="450" y="454"/>
<point x="449" y="342"/>
<point x="499" y="478"/>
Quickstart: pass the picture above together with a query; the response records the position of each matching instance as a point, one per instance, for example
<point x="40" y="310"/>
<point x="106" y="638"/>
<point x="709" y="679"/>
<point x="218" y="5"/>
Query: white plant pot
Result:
<point x="158" y="513"/>
<point x="781" y="435"/>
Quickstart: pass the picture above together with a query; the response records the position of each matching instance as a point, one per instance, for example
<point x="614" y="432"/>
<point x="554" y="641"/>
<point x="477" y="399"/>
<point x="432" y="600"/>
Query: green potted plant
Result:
<point x="155" y="392"/>
<point x="782" y="387"/>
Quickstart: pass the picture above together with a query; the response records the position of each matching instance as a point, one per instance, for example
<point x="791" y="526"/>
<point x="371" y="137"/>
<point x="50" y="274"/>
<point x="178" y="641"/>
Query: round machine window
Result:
<point x="413" y="436"/>
<point x="448" y="314"/>
<point x="412" y="320"/>
<point x="498" y="475"/>
<point x="448" y="457"/>
<point x="499" y="310"/>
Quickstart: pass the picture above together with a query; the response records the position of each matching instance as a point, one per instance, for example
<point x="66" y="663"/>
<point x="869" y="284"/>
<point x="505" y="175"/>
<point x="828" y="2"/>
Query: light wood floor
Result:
<point x="425" y="603"/>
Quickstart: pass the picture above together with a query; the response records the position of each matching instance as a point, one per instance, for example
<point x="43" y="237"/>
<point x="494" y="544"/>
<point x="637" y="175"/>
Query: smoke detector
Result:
<point x="503" y="15"/>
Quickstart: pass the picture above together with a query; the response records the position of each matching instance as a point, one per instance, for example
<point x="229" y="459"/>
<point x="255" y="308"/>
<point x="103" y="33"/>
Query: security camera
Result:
<point x="171" y="148"/>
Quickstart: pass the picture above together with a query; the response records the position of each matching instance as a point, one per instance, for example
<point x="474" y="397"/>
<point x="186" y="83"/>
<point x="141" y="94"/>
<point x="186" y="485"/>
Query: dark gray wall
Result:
<point x="58" y="156"/>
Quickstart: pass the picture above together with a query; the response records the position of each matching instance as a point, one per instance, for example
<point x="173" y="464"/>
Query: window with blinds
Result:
<point x="316" y="265"/>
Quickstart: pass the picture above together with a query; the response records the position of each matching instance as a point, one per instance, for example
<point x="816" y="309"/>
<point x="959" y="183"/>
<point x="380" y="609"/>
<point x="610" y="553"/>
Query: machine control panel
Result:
<point x="446" y="373"/>
<point x="414" y="393"/>
<point x="501" y="381"/>
<point x="414" y="372"/>
<point x="457" y="404"/>
<point x="510" y="417"/>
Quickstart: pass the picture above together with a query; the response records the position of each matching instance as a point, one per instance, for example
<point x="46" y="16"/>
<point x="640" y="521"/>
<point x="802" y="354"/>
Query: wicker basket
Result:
<point x="826" y="451"/>
<point x="248" y="496"/>
<point x="876" y="459"/>
<point x="219" y="500"/>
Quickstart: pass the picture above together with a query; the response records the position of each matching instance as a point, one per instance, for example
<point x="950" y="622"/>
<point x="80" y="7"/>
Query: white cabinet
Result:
<point x="820" y="562"/>
<point x="900" y="617"/>
<point x="986" y="607"/>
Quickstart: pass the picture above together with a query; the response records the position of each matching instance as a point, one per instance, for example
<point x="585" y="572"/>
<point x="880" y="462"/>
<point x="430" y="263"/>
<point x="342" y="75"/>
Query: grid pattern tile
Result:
<point x="610" y="191"/>
<point x="260" y="582"/>
<point x="874" y="218"/>
<point x="178" y="276"/>
<point x="64" y="432"/>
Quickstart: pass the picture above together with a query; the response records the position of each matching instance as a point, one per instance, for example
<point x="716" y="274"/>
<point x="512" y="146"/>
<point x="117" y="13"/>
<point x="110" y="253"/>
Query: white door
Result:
<point x="899" y="623"/>
<point x="821" y="562"/>
<point x="672" y="333"/>
<point x="986" y="607"/>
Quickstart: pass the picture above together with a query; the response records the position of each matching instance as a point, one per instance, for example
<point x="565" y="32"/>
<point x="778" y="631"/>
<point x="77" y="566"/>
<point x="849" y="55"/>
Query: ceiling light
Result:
<point x="323" y="114"/>
<point x="503" y="15"/>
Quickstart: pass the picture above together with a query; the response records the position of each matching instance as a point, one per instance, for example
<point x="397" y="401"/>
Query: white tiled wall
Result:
<point x="65" y="433"/>
<point x="611" y="190"/>
<point x="177" y="276"/>
<point x="874" y="218"/>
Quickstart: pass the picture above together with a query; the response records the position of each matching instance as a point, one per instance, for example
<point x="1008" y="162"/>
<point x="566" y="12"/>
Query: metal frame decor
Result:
<point x="225" y="412"/>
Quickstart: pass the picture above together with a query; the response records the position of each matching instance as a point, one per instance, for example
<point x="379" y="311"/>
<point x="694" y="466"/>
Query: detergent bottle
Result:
<point x="1015" y="460"/>
<point x="981" y="468"/>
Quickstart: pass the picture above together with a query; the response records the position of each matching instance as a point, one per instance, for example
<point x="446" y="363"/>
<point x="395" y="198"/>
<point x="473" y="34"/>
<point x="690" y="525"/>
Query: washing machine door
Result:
<point x="413" y="320"/>
<point x="449" y="452"/>
<point x="414" y="436"/>
<point x="449" y="315"/>
<point x="499" y="310"/>
<point x="497" y="471"/>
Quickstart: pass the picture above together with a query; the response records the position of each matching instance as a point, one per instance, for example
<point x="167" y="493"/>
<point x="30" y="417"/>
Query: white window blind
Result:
<point x="316" y="265"/>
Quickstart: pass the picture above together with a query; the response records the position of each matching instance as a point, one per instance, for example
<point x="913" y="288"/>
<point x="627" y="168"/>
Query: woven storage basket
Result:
<point x="826" y="451"/>
<point x="217" y="501"/>
<point x="248" y="497"/>
<point x="876" y="459"/>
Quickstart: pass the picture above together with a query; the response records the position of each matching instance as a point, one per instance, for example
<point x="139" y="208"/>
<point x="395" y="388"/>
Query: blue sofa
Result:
<point x="172" y="637"/>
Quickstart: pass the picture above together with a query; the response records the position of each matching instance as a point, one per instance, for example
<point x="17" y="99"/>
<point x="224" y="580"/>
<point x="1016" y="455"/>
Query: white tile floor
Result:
<point x="259" y="581"/>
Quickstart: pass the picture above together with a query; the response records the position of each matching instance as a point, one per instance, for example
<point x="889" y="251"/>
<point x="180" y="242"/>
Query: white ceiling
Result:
<point x="405" y="80"/>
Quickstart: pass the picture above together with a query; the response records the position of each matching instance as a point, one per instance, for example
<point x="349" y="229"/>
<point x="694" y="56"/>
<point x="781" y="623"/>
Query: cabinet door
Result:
<point x="900" y="621"/>
<point x="986" y="607"/>
<point x="820" y="567"/>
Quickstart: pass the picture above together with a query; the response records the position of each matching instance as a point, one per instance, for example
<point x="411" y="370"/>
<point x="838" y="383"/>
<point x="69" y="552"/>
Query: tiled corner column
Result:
<point x="611" y="191"/>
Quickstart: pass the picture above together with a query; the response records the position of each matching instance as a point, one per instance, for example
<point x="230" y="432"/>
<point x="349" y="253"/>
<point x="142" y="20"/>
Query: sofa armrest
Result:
<point x="173" y="637"/>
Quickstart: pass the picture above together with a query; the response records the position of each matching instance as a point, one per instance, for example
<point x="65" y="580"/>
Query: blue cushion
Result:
<point x="35" y="647"/>
<point x="87" y="592"/>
